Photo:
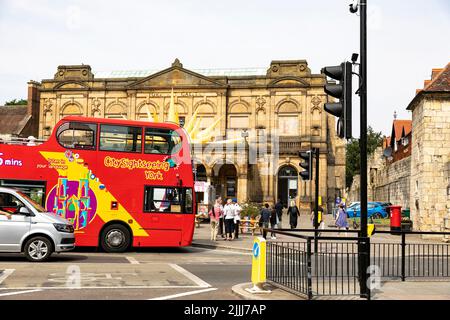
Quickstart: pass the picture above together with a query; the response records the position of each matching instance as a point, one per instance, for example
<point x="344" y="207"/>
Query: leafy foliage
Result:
<point x="16" y="102"/>
<point x="353" y="155"/>
<point x="251" y="210"/>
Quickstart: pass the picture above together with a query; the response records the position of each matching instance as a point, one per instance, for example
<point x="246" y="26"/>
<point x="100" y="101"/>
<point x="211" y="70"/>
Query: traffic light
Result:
<point x="342" y="91"/>
<point x="306" y="164"/>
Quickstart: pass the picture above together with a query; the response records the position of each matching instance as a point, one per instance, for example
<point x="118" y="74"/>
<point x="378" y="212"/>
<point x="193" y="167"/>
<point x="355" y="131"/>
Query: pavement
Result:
<point x="152" y="273"/>
<point x="389" y="290"/>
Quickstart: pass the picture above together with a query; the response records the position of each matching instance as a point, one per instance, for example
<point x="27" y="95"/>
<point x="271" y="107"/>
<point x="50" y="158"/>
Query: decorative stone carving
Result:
<point x="48" y="105"/>
<point x="177" y="63"/>
<point x="96" y="107"/>
<point x="316" y="101"/>
<point x="260" y="101"/>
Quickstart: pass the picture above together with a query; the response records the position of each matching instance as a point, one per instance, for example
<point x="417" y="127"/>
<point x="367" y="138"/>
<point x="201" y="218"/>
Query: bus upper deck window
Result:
<point x="120" y="138"/>
<point x="161" y="141"/>
<point x="77" y="135"/>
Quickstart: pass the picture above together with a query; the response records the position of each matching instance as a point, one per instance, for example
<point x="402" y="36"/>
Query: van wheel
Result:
<point x="38" y="249"/>
<point x="115" y="238"/>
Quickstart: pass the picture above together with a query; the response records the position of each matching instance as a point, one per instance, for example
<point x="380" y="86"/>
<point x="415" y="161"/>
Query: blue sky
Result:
<point x="406" y="40"/>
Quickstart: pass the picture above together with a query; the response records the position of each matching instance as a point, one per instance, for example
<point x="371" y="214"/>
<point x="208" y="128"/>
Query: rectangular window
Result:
<point x="288" y="125"/>
<point x="120" y="138"/>
<point x="77" y="135"/>
<point x="168" y="200"/>
<point x="161" y="141"/>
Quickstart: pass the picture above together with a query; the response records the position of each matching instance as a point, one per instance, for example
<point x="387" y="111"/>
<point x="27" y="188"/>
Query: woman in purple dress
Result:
<point x="341" y="219"/>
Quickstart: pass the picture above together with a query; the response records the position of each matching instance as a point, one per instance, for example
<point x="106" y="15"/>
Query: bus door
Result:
<point x="168" y="210"/>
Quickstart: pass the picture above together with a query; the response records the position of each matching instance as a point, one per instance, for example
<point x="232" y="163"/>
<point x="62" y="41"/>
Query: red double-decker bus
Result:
<point x="121" y="183"/>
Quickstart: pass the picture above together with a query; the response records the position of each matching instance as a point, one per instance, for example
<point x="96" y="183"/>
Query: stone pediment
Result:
<point x="176" y="76"/>
<point x="288" y="82"/>
<point x="71" y="85"/>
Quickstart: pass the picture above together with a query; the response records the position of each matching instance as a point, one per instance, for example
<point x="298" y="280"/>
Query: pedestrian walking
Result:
<point x="221" y="220"/>
<point x="293" y="213"/>
<point x="228" y="215"/>
<point x="265" y="219"/>
<point x="273" y="221"/>
<point x="215" y="214"/>
<point x="341" y="218"/>
<point x="279" y="209"/>
<point x="237" y="219"/>
<point x="320" y="222"/>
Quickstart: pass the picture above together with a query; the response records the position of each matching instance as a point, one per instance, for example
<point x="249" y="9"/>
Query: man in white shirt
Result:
<point x="229" y="213"/>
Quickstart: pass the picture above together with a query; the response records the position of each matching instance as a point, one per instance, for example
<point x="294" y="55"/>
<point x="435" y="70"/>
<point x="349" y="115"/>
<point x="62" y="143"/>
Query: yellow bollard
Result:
<point x="258" y="266"/>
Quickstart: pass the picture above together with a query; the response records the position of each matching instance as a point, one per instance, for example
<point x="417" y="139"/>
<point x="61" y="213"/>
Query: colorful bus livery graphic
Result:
<point x="135" y="192"/>
<point x="74" y="201"/>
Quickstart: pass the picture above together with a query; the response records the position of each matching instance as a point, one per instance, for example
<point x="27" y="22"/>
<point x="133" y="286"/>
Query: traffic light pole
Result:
<point x="364" y="244"/>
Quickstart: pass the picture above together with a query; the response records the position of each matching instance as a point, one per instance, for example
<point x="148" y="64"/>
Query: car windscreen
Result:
<point x="35" y="205"/>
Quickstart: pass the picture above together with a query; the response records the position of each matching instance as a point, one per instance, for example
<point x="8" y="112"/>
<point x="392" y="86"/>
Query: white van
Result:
<point x="26" y="227"/>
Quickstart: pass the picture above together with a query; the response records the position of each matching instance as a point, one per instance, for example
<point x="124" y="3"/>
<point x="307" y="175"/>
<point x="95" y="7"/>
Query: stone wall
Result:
<point x="387" y="181"/>
<point x="430" y="173"/>
<point x="393" y="183"/>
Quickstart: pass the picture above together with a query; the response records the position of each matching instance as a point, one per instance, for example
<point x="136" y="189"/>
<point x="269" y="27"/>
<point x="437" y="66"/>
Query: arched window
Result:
<point x="71" y="109"/>
<point x="116" y="111"/>
<point x="288" y="120"/>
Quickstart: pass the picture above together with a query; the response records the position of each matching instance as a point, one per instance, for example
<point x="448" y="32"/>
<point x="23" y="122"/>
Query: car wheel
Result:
<point x="115" y="238"/>
<point x="38" y="249"/>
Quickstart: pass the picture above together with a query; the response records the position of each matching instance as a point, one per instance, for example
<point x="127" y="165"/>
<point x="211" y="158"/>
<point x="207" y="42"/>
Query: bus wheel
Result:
<point x="115" y="238"/>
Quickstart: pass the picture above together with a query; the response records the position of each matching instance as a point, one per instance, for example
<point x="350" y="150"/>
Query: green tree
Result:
<point x="353" y="155"/>
<point x="15" y="102"/>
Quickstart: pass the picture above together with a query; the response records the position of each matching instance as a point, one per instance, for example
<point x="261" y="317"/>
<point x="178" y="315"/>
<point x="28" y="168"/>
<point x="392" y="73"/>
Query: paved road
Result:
<point x="181" y="273"/>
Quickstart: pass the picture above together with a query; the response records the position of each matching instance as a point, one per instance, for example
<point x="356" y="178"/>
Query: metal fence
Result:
<point x="330" y="266"/>
<point x="411" y="260"/>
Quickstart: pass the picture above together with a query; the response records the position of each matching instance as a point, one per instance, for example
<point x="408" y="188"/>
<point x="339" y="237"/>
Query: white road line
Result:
<point x="190" y="276"/>
<point x="132" y="260"/>
<point x="5" y="274"/>
<point x="184" y="294"/>
<point x="97" y="287"/>
<point x="18" y="292"/>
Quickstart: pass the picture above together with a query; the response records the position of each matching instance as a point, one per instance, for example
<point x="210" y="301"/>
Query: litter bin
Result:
<point x="396" y="218"/>
<point x="406" y="213"/>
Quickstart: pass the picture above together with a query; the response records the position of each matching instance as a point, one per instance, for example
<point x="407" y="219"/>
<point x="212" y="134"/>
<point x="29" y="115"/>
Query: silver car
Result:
<point x="26" y="227"/>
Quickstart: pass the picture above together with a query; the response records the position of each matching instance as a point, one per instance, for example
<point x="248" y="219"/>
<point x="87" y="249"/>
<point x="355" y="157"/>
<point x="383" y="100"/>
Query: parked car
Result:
<point x="26" y="227"/>
<point x="353" y="204"/>
<point x="374" y="210"/>
<point x="386" y="206"/>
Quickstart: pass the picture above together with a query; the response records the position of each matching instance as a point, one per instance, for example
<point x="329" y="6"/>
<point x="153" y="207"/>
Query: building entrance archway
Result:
<point x="287" y="184"/>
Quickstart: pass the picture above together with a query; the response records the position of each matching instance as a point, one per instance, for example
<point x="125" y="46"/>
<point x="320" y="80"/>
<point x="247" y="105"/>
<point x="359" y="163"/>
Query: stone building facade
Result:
<point x="278" y="111"/>
<point x="412" y="168"/>
<point x="430" y="159"/>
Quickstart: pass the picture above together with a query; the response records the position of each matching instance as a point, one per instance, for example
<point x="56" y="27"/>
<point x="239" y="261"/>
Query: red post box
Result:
<point x="396" y="218"/>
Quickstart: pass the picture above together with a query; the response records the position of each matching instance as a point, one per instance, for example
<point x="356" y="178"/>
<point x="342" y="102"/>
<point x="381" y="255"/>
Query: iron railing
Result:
<point x="331" y="266"/>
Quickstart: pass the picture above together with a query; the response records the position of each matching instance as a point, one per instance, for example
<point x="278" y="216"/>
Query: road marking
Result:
<point x="184" y="294"/>
<point x="109" y="287"/>
<point x="132" y="260"/>
<point x="5" y="274"/>
<point x="18" y="292"/>
<point x="190" y="276"/>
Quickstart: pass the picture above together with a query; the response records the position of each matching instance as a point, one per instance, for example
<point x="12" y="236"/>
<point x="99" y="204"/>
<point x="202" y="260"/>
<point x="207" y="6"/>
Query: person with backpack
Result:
<point x="215" y="214"/>
<point x="293" y="213"/>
